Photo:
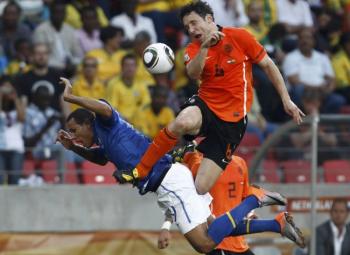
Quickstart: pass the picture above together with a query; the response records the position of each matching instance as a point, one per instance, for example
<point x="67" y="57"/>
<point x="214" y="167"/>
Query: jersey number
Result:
<point x="219" y="71"/>
<point x="232" y="189"/>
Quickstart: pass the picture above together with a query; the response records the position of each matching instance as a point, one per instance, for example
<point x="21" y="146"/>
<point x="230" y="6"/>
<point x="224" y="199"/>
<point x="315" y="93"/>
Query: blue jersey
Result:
<point x="124" y="147"/>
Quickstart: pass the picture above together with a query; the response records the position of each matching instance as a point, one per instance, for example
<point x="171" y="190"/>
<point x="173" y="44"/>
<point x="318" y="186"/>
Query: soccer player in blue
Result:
<point x="99" y="134"/>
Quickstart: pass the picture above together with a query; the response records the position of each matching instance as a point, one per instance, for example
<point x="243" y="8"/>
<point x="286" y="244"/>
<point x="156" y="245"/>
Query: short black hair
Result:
<point x="199" y="7"/>
<point x="128" y="56"/>
<point x="20" y="41"/>
<point x="340" y="200"/>
<point x="15" y="4"/>
<point x="109" y="32"/>
<point x="57" y="3"/>
<point x="88" y="8"/>
<point x="81" y="116"/>
<point x="142" y="36"/>
<point x="345" y="38"/>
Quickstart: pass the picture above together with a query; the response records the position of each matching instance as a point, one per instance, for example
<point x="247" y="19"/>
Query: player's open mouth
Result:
<point x="198" y="36"/>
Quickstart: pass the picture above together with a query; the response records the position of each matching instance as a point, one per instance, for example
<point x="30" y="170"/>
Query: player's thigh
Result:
<point x="189" y="121"/>
<point x="199" y="239"/>
<point x="178" y="195"/>
<point x="207" y="174"/>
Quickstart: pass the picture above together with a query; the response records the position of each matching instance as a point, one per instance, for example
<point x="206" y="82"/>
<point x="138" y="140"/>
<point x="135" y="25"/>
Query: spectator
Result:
<point x="127" y="94"/>
<point x="270" y="11"/>
<point x="87" y="84"/>
<point x="74" y="11"/>
<point x="341" y="65"/>
<point x="142" y="40"/>
<point x="333" y="236"/>
<point x="109" y="57"/>
<point x="257" y="123"/>
<point x="297" y="145"/>
<point x="132" y="23"/>
<point x="152" y="118"/>
<point x="229" y="13"/>
<point x="41" y="73"/>
<point x="65" y="51"/>
<point x="256" y="26"/>
<point x="164" y="15"/>
<point x="305" y="68"/>
<point x="11" y="29"/>
<point x="21" y="63"/>
<point x="41" y="125"/>
<point x="294" y="14"/>
<point x="12" y="115"/>
<point x="89" y="34"/>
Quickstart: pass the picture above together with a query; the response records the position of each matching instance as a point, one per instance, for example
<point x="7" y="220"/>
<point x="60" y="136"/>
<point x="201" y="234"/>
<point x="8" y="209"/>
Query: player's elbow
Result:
<point x="201" y="189"/>
<point x="194" y="72"/>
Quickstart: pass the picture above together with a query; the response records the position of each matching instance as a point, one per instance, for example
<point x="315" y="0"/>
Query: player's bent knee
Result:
<point x="202" y="188"/>
<point x="184" y="124"/>
<point x="204" y="248"/>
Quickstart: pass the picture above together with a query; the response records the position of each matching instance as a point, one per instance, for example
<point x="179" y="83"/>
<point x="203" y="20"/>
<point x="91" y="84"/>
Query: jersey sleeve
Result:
<point x="190" y="53"/>
<point x="111" y="121"/>
<point x="252" y="48"/>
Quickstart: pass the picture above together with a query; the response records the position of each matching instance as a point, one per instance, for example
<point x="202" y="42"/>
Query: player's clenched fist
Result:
<point x="212" y="38"/>
<point x="65" y="139"/>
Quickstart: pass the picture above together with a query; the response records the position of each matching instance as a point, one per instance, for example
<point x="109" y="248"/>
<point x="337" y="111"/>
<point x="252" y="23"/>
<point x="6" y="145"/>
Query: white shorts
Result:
<point x="177" y="194"/>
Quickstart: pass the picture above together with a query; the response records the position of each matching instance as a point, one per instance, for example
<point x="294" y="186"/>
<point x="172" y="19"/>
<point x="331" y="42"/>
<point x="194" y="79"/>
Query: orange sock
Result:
<point x="162" y="143"/>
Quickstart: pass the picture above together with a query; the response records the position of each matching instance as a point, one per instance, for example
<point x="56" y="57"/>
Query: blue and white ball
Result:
<point x="158" y="58"/>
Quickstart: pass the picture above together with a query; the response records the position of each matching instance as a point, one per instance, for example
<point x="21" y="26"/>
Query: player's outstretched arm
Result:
<point x="93" y="105"/>
<point x="276" y="78"/>
<point x="164" y="235"/>
<point x="91" y="154"/>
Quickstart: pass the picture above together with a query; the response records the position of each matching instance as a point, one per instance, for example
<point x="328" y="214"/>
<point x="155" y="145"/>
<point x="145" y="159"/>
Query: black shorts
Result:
<point x="224" y="252"/>
<point x="221" y="137"/>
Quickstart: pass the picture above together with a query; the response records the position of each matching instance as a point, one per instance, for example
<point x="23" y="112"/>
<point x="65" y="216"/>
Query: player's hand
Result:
<point x="67" y="93"/>
<point x="293" y="111"/>
<point x="164" y="239"/>
<point x="65" y="139"/>
<point x="212" y="39"/>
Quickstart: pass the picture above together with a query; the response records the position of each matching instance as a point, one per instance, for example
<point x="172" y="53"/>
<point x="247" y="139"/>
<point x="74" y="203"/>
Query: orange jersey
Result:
<point x="228" y="191"/>
<point x="226" y="79"/>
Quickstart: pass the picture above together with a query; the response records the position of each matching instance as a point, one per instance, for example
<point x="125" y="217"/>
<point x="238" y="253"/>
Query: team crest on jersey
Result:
<point x="186" y="57"/>
<point x="228" y="48"/>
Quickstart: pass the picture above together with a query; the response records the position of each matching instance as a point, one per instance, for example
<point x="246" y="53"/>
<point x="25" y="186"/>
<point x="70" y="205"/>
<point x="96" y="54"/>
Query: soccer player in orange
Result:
<point x="229" y="191"/>
<point x="222" y="58"/>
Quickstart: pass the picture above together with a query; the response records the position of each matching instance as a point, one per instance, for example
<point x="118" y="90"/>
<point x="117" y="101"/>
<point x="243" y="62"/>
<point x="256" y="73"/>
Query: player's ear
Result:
<point x="209" y="18"/>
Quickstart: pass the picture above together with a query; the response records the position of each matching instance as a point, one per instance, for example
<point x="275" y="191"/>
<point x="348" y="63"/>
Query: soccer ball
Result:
<point x="158" y="58"/>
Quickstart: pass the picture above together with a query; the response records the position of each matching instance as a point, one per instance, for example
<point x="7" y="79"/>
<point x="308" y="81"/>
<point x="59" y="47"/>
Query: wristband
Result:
<point x="166" y="225"/>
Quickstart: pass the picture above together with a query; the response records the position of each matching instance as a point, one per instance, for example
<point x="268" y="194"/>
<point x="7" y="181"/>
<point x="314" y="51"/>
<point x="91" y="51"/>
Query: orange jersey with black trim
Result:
<point x="226" y="79"/>
<point x="228" y="191"/>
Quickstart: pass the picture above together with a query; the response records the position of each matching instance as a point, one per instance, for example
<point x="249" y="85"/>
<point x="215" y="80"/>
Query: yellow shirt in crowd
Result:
<point x="16" y="67"/>
<point x="81" y="88"/>
<point x="142" y="74"/>
<point x="127" y="100"/>
<point x="259" y="33"/>
<point x="270" y="11"/>
<point x="108" y="65"/>
<point x="341" y="66"/>
<point x="73" y="17"/>
<point x="149" y="123"/>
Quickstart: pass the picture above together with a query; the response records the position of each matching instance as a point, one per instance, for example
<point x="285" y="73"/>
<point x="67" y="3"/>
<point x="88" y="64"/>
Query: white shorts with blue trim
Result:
<point x="177" y="195"/>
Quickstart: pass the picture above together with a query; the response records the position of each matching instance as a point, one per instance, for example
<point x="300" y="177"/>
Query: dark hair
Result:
<point x="57" y="3"/>
<point x="20" y="41"/>
<point x="5" y="78"/>
<point x="128" y="56"/>
<point x="199" y="7"/>
<point x="88" y="8"/>
<point x="15" y="4"/>
<point x="345" y="38"/>
<point x="142" y="36"/>
<point x="109" y="32"/>
<point x="81" y="116"/>
<point x="340" y="201"/>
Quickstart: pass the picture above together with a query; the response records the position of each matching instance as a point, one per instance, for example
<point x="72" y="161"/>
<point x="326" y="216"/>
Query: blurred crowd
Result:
<point x="98" y="44"/>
